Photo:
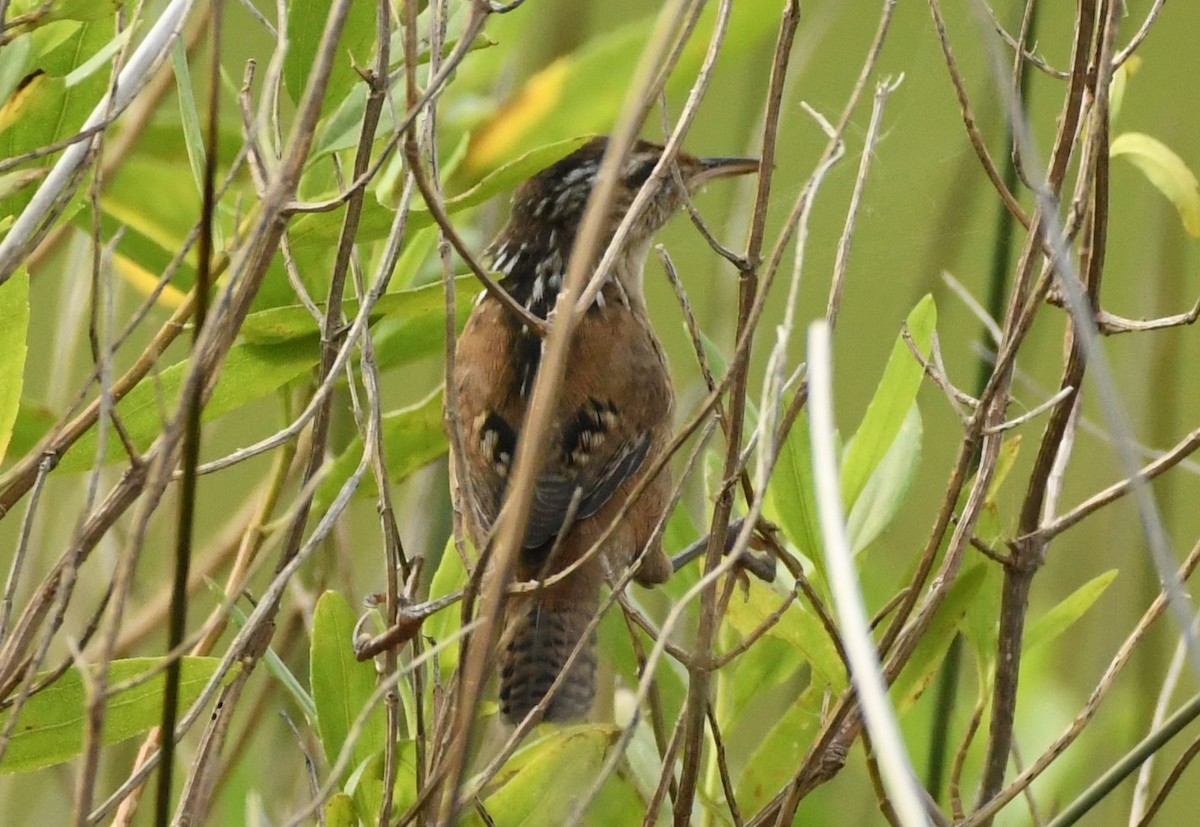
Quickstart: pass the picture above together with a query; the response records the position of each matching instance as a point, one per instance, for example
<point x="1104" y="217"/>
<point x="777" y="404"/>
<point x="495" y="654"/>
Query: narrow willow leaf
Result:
<point x="1056" y="621"/>
<point x="895" y="395"/>
<point x="791" y="494"/>
<point x="412" y="438"/>
<point x="50" y="729"/>
<point x="931" y="651"/>
<point x="193" y="139"/>
<point x="306" y="24"/>
<point x="341" y="686"/>
<point x="14" y="326"/>
<point x="1120" y="80"/>
<point x="884" y="493"/>
<point x="275" y="665"/>
<point x="541" y="782"/>
<point x="1169" y="173"/>
<point x="250" y="372"/>
<point x="450" y="576"/>
<point x="800" y="629"/>
<point x="774" y="760"/>
<point x="410" y="307"/>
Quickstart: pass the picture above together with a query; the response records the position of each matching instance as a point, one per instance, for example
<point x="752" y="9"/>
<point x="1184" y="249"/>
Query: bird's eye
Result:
<point x="638" y="173"/>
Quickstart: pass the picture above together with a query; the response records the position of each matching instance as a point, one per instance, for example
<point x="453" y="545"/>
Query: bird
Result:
<point x="613" y="415"/>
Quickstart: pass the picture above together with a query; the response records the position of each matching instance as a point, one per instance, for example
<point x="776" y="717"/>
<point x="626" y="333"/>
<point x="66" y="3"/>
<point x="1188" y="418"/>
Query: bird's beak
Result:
<point x="708" y="169"/>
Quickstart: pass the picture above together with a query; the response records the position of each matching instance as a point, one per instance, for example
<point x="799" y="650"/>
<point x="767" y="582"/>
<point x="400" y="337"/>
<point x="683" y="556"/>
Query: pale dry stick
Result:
<point x="1062" y="458"/>
<point x="1079" y="724"/>
<point x="968" y="116"/>
<point x="1033" y="412"/>
<point x="1092" y="428"/>
<point x="1028" y="18"/>
<point x="1141" y="790"/>
<point x="1111" y="324"/>
<point x="960" y="758"/>
<point x="841" y="259"/>
<point x="510" y="526"/>
<point x="1143" y="30"/>
<point x="50" y="149"/>
<point x="18" y="561"/>
<point x="1023" y="52"/>
<point x="770" y="432"/>
<point x="1173" y="777"/>
<point x="974" y="306"/>
<point x="866" y="670"/>
<point x="935" y="369"/>
<point x="247" y="554"/>
<point x="666" y="780"/>
<point x="723" y="767"/>
<point x="29" y="226"/>
<point x="102" y="353"/>
<point x="1165" y="462"/>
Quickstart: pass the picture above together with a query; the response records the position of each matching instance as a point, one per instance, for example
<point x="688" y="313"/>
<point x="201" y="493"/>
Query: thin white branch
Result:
<point x="149" y="53"/>
<point x="865" y="669"/>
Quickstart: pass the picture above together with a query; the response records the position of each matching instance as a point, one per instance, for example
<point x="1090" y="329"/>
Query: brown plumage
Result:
<point x="613" y="417"/>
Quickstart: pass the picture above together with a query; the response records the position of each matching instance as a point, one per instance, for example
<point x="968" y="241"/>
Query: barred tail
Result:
<point x="540" y="635"/>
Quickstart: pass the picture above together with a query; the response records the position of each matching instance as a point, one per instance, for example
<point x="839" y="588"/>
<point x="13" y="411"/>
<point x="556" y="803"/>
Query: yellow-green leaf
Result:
<point x="895" y="395"/>
<point x="1056" y="621"/>
<point x="1164" y="169"/>
<point x="539" y="785"/>
<point x="341" y="686"/>
<point x="14" y="325"/>
<point x="412" y="438"/>
<point x="51" y="726"/>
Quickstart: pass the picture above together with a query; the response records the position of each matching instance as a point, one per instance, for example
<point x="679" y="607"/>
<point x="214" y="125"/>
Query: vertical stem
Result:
<point x="193" y="404"/>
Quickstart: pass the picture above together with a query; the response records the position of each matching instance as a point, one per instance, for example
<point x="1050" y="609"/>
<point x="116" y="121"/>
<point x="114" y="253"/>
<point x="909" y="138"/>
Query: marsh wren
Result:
<point x="613" y="415"/>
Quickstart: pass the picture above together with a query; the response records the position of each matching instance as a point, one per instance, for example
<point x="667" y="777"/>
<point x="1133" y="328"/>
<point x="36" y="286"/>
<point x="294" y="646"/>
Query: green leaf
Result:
<point x="1056" y="621"/>
<point x="1166" y="171"/>
<point x="931" y="651"/>
<point x="423" y="307"/>
<point x="316" y="229"/>
<point x="47" y="108"/>
<point x="339" y="811"/>
<point x="32" y="422"/>
<point x="193" y="139"/>
<point x="884" y="493"/>
<point x="450" y="576"/>
<point x="412" y="438"/>
<point x="250" y="372"/>
<point x="895" y="395"/>
<point x="800" y="629"/>
<point x="1120" y="79"/>
<point x="306" y="23"/>
<point x="539" y="785"/>
<point x="275" y="665"/>
<point x="14" y="325"/>
<point x="341" y="686"/>
<point x="791" y="492"/>
<point x="50" y="729"/>
<point x="777" y="755"/>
